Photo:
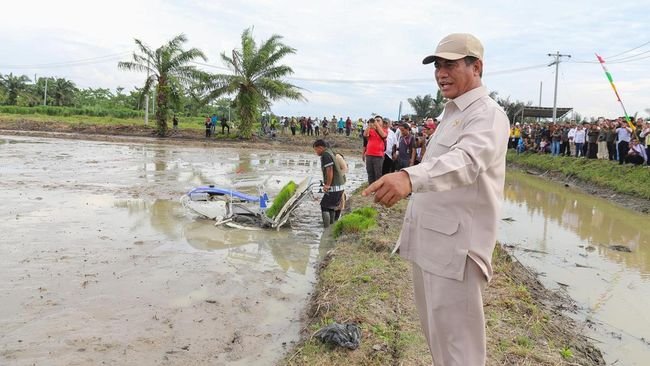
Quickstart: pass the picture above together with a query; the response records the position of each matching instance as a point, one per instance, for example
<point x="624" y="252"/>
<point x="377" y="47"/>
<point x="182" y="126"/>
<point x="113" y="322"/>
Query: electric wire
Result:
<point x="630" y="50"/>
<point x="383" y="81"/>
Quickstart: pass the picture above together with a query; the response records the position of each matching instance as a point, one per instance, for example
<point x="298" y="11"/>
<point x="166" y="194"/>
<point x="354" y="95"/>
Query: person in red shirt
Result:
<point x="374" y="151"/>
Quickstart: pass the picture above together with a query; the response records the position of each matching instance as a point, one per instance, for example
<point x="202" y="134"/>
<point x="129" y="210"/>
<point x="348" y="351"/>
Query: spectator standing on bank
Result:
<point x="375" y="149"/>
<point x="610" y="140"/>
<point x="580" y="138"/>
<point x="556" y="140"/>
<point x="624" y="135"/>
<point x="645" y="134"/>
<point x="292" y="126"/>
<point x="316" y="126"/>
<point x="348" y="126"/>
<point x="208" y="126"/>
<point x="213" y="124"/>
<point x="564" y="140"/>
<point x="592" y="140"/>
<point x="572" y="140"/>
<point x="175" y="122"/>
<point x="225" y="126"/>
<point x="406" y="147"/>
<point x="390" y="153"/>
<point x="602" y="143"/>
<point x="340" y="126"/>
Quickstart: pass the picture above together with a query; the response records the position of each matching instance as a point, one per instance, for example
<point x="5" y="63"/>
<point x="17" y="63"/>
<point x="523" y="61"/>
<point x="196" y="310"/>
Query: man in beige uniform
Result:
<point x="450" y="224"/>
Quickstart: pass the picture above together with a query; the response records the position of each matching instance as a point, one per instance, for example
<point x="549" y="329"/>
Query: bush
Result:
<point x="281" y="199"/>
<point x="74" y="111"/>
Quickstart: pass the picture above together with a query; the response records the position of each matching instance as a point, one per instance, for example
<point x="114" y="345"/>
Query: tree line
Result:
<point x="254" y="80"/>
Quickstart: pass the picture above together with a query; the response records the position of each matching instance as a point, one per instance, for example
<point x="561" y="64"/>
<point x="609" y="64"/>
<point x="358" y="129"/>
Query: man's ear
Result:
<point x="478" y="67"/>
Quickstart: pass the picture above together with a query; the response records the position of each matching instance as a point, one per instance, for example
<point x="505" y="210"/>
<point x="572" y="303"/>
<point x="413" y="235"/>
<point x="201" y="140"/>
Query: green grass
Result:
<point x="566" y="353"/>
<point x="356" y="221"/>
<point x="626" y="179"/>
<point x="281" y="199"/>
<point x="73" y="111"/>
<point x="361" y="282"/>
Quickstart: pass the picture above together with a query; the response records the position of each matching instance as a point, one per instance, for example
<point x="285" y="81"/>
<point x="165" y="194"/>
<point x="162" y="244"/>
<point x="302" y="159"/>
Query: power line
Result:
<point x="80" y="62"/>
<point x="631" y="49"/>
<point x="620" y="61"/>
<point x="384" y="81"/>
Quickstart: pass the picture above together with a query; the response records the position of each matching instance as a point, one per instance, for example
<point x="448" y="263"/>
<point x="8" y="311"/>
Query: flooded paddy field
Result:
<point x="102" y="265"/>
<point x="595" y="251"/>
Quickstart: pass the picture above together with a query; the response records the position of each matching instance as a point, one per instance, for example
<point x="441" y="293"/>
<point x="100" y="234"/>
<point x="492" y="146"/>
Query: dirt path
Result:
<point x="143" y="134"/>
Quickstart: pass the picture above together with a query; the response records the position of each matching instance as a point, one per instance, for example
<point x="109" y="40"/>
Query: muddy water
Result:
<point x="101" y="264"/>
<point x="567" y="237"/>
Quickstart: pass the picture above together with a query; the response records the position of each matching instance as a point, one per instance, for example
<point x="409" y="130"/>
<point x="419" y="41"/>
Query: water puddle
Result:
<point x="102" y="264"/>
<point x="580" y="243"/>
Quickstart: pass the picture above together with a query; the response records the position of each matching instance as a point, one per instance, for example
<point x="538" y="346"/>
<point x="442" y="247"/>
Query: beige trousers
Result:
<point x="451" y="313"/>
<point x="602" y="150"/>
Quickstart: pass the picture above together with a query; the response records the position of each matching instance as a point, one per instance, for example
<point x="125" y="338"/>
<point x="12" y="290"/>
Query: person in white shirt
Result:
<point x="637" y="154"/>
<point x="572" y="143"/>
<point x="390" y="153"/>
<point x="579" y="140"/>
<point x="624" y="134"/>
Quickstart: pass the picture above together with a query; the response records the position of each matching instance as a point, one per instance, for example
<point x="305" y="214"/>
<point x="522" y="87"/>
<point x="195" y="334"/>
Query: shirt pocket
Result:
<point x="449" y="137"/>
<point x="437" y="236"/>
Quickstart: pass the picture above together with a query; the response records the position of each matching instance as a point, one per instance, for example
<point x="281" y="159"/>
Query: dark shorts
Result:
<point x="331" y="200"/>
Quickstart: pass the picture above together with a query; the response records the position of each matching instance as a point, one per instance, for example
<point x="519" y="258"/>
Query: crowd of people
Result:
<point x="311" y="126"/>
<point x="390" y="146"/>
<point x="211" y="125"/>
<point x="609" y="139"/>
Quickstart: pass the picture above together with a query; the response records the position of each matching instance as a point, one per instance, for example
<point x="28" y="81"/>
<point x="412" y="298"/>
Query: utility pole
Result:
<point x="540" y="100"/>
<point x="557" y="61"/>
<point x="45" y="93"/>
<point x="399" y="113"/>
<point x="146" y="100"/>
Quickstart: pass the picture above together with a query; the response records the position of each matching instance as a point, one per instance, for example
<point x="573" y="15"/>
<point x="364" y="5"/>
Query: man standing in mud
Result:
<point x="333" y="181"/>
<point x="450" y="224"/>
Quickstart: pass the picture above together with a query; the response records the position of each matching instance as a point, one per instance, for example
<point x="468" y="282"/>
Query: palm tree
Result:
<point x="62" y="92"/>
<point x="13" y="86"/>
<point x="421" y="105"/>
<point x="427" y="106"/>
<point x="438" y="105"/>
<point x="168" y="70"/>
<point x="256" y="78"/>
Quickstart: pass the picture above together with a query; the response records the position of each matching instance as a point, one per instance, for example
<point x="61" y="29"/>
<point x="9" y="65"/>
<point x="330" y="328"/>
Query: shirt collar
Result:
<point x="465" y="100"/>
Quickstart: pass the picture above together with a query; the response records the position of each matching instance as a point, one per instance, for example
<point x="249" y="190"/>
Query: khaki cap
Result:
<point x="456" y="46"/>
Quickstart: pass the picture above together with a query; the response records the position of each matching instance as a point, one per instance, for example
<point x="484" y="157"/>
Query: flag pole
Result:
<point x="618" y="97"/>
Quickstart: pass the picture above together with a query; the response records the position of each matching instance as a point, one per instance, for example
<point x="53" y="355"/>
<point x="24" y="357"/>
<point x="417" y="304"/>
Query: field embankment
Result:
<point x="361" y="282"/>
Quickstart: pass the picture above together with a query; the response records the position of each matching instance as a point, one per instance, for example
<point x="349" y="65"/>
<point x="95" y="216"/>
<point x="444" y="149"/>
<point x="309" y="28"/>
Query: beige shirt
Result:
<point x="458" y="189"/>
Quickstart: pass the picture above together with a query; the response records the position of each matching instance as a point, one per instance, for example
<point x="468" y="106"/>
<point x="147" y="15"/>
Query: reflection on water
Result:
<point x="570" y="235"/>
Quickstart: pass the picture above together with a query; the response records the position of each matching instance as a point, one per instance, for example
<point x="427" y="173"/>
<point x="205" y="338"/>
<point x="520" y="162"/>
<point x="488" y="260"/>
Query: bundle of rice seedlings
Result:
<point x="356" y="221"/>
<point x="281" y="199"/>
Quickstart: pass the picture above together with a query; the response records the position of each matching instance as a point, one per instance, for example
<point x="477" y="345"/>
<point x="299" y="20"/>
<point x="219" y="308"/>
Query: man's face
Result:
<point x="319" y="150"/>
<point x="404" y="131"/>
<point x="455" y="77"/>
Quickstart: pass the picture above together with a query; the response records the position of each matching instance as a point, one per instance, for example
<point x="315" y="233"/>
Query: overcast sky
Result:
<point x="380" y="42"/>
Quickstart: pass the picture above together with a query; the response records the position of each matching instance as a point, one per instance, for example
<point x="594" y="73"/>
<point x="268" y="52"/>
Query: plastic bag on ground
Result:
<point x="346" y="335"/>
